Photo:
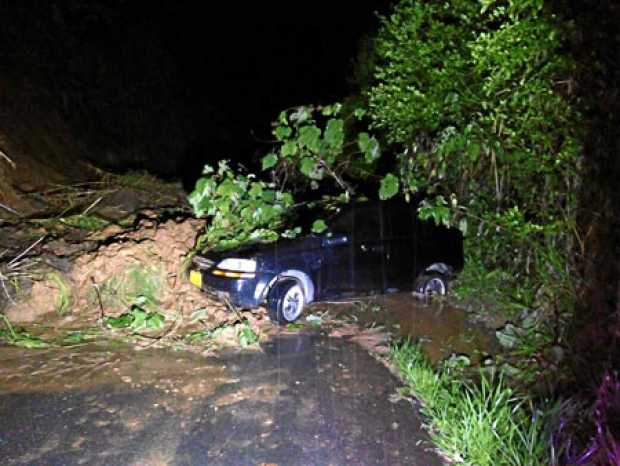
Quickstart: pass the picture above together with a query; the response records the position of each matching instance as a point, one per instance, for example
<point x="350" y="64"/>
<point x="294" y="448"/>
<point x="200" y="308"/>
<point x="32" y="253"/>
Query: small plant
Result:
<point x="198" y="336"/>
<point x="137" y="318"/>
<point x="246" y="335"/>
<point x="62" y="302"/>
<point x="480" y="424"/>
<point x="18" y="336"/>
<point x="137" y="285"/>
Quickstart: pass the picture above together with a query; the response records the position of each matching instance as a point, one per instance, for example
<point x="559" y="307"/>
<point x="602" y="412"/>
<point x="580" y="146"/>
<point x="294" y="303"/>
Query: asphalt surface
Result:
<point x="303" y="400"/>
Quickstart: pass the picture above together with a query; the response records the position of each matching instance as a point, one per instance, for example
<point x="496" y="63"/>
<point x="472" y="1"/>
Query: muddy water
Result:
<point x="107" y="363"/>
<point x="440" y="328"/>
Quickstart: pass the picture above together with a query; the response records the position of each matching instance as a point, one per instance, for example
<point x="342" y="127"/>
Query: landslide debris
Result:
<point x="113" y="252"/>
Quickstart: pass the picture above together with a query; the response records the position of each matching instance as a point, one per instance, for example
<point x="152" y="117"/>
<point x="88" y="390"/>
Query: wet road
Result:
<point x="303" y="400"/>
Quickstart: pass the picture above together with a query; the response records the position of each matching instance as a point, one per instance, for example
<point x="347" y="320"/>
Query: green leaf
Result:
<point x="473" y="150"/>
<point x="282" y="132"/>
<point x="256" y="190"/>
<point x="292" y="233"/>
<point x="155" y="320"/>
<point x="139" y="318"/>
<point x="508" y="336"/>
<point x="330" y="110"/>
<point x="369" y="147"/>
<point x="282" y="118"/>
<point x="389" y="187"/>
<point x="301" y="114"/>
<point x="319" y="226"/>
<point x="362" y="141"/>
<point x="269" y="195"/>
<point x="334" y="133"/>
<point x="289" y="148"/>
<point x="122" y="321"/>
<point x="307" y="166"/>
<point x="359" y="113"/>
<point x="269" y="161"/>
<point x="309" y="136"/>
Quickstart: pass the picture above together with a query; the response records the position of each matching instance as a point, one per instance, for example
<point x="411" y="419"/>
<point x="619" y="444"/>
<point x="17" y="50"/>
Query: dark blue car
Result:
<point x="369" y="248"/>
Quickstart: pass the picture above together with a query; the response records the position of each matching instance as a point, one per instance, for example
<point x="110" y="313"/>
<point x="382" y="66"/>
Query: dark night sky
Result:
<point x="268" y="58"/>
<point x="178" y="81"/>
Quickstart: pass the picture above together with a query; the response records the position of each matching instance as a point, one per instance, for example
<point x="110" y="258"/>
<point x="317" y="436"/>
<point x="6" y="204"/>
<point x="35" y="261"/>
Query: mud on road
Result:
<point x="301" y="399"/>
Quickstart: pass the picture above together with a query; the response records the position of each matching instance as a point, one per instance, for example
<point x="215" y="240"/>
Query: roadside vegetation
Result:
<point x="480" y="422"/>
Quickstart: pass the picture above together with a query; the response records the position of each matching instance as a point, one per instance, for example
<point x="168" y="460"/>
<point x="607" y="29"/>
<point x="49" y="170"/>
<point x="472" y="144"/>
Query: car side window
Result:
<point x="399" y="221"/>
<point x="367" y="223"/>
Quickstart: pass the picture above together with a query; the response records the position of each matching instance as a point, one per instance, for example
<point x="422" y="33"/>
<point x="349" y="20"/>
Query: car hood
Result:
<point x="265" y="250"/>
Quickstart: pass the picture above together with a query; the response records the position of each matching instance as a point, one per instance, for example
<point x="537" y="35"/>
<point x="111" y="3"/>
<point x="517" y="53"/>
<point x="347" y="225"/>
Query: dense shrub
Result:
<point x="475" y="97"/>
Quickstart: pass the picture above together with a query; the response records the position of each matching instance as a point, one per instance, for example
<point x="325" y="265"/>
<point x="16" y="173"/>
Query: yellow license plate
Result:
<point x="195" y="278"/>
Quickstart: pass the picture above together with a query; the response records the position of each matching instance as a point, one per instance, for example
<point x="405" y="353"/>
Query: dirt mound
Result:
<point x="137" y="267"/>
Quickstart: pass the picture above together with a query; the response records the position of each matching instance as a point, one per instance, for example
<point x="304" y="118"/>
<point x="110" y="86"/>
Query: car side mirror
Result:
<point x="335" y="239"/>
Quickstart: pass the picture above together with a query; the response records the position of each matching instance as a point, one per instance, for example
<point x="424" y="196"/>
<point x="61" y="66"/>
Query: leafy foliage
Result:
<point x="311" y="150"/>
<point x="137" y="319"/>
<point x="475" y="99"/>
<point x="240" y="207"/>
<point x="316" y="143"/>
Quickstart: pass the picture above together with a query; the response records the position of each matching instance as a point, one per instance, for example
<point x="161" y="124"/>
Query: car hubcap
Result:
<point x="435" y="286"/>
<point x="292" y="303"/>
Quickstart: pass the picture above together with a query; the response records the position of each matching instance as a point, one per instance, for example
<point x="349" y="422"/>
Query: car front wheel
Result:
<point x="432" y="285"/>
<point x="285" y="301"/>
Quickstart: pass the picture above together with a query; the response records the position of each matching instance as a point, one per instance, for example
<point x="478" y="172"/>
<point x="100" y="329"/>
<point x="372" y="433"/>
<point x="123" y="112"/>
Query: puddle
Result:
<point x="111" y="364"/>
<point x="441" y="329"/>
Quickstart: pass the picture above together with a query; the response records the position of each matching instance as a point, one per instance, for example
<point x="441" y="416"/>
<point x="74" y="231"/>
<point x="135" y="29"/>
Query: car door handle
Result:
<point x="366" y="248"/>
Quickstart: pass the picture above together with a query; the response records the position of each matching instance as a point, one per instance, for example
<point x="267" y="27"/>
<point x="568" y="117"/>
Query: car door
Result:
<point x="368" y="249"/>
<point x="400" y="245"/>
<point x="337" y="277"/>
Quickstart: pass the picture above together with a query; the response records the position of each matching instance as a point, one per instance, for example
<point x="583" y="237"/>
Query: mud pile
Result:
<point x="125" y="264"/>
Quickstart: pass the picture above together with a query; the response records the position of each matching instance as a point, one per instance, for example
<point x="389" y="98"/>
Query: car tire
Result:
<point x="286" y="301"/>
<point x="432" y="284"/>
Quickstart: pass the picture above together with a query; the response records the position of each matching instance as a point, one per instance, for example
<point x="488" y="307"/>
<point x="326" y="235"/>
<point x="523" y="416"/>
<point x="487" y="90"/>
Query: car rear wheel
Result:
<point x="285" y="301"/>
<point x="432" y="285"/>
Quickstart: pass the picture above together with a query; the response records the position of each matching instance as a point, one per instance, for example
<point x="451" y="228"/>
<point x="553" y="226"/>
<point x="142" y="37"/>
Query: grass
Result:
<point x="18" y="336"/>
<point x="136" y="179"/>
<point x="63" y="300"/>
<point x="482" y="424"/>
<point x="85" y="222"/>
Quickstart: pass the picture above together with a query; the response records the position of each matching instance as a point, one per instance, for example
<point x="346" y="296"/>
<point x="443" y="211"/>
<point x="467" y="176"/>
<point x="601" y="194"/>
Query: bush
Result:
<point x="475" y="99"/>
